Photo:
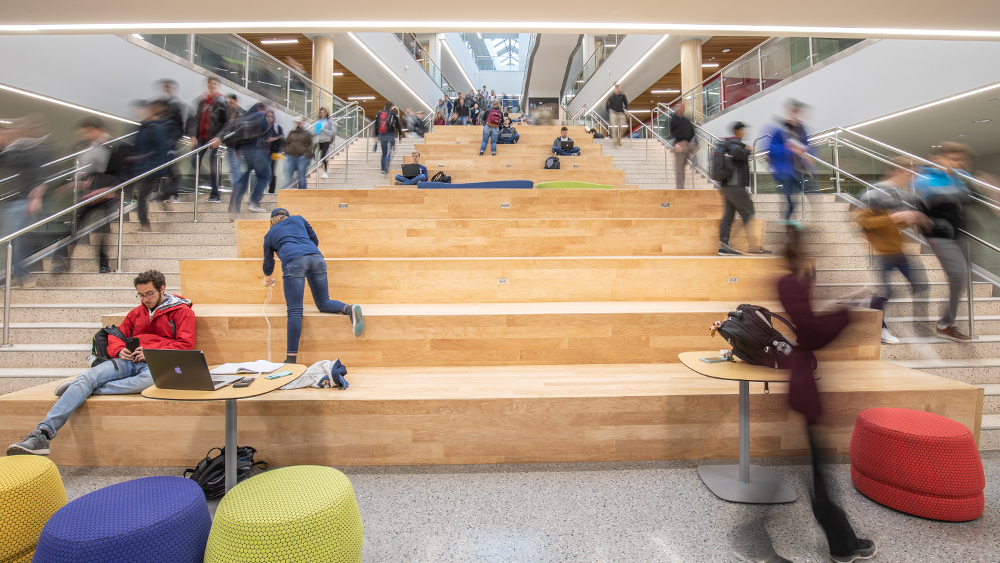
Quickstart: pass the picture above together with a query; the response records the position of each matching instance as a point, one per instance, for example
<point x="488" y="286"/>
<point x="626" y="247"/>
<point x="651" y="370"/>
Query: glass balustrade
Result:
<point x="602" y="51"/>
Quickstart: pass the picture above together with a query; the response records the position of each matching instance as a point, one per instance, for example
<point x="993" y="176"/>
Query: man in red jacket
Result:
<point x="162" y="321"/>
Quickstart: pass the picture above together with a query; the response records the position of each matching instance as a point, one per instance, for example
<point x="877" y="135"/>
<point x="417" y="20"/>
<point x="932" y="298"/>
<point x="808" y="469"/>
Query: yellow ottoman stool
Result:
<point x="295" y="514"/>
<point x="31" y="491"/>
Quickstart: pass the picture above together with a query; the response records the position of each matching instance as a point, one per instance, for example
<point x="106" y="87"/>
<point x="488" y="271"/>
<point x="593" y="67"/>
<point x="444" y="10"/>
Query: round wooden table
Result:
<point x="745" y="483"/>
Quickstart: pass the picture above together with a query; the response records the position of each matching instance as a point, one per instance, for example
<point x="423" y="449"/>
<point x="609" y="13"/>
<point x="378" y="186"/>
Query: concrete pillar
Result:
<point x="323" y="69"/>
<point x="587" y="46"/>
<point x="690" y="64"/>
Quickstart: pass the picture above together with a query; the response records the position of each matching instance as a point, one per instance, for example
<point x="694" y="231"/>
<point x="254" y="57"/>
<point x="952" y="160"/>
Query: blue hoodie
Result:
<point x="290" y="239"/>
<point x="943" y="199"/>
<point x="783" y="161"/>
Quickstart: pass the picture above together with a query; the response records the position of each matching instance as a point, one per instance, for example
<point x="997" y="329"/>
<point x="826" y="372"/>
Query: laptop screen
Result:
<point x="411" y="170"/>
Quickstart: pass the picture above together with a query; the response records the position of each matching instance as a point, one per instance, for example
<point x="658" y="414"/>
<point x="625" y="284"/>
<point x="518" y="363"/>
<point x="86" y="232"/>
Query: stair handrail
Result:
<point x="598" y="49"/>
<point x="345" y="146"/>
<point x="74" y="155"/>
<point x="120" y="188"/>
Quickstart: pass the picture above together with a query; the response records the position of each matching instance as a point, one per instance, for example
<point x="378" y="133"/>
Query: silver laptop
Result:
<point x="184" y="369"/>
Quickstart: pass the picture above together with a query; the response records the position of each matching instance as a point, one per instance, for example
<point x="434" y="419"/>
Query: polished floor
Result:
<point x="628" y="512"/>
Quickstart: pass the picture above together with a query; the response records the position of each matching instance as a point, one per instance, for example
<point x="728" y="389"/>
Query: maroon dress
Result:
<point x="813" y="332"/>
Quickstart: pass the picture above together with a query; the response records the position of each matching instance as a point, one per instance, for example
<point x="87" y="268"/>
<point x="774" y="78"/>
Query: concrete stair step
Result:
<point x="87" y="279"/>
<point x="208" y="217"/>
<point x="966" y="370"/>
<point x="924" y="326"/>
<point x="187" y="200"/>
<point x="989" y="436"/>
<point x="163" y="264"/>
<point x="930" y="347"/>
<point x="45" y="356"/>
<point x="40" y="372"/>
<point x="991" y="397"/>
<point x="67" y="312"/>
<point x="935" y="306"/>
<point x="840" y="228"/>
<point x="190" y="250"/>
<point x="840" y="290"/>
<point x="925" y="261"/>
<point x="42" y="333"/>
<point x="860" y="275"/>
<point x="217" y="223"/>
<point x="810" y="198"/>
<point x="73" y="295"/>
<point x="775" y="235"/>
<point x="174" y="239"/>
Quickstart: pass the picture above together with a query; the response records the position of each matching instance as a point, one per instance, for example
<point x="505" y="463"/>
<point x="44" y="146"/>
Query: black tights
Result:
<point x="839" y="534"/>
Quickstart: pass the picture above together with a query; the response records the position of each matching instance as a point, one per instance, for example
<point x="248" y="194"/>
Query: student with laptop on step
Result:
<point x="161" y="321"/>
<point x="412" y="173"/>
<point x="563" y="145"/>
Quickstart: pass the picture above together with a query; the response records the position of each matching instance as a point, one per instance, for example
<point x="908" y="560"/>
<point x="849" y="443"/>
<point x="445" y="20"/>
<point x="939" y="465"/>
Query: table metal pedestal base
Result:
<point x="230" y="444"/>
<point x="765" y="486"/>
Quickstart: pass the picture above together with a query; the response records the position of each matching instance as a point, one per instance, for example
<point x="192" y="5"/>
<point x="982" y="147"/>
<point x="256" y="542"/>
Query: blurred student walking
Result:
<point x="787" y="153"/>
<point x="735" y="198"/>
<point x="685" y="143"/>
<point x="298" y="152"/>
<point x="388" y="129"/>
<point x="211" y="113"/>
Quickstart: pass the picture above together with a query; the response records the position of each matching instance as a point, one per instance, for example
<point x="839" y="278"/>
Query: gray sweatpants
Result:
<point x="952" y="256"/>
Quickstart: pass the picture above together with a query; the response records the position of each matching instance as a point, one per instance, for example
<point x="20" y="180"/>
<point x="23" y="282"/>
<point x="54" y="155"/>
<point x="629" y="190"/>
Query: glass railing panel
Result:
<point x="983" y="221"/>
<point x="222" y="55"/>
<point x="299" y="95"/>
<point x="784" y="57"/>
<point x="741" y="80"/>
<point x="711" y="99"/>
<point x="826" y="48"/>
<point x="268" y="78"/>
<point x="175" y="43"/>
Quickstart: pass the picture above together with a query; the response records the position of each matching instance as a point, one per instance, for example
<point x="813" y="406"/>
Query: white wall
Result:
<point x="103" y="72"/>
<point x="388" y="48"/>
<point x="503" y="81"/>
<point x="880" y="79"/>
<point x="465" y="59"/>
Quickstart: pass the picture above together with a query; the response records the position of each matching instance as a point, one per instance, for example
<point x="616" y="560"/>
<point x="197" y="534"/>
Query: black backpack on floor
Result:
<point x="99" y="348"/>
<point x="442" y="178"/>
<point x="751" y="333"/>
<point x="210" y="474"/>
<point x="552" y="163"/>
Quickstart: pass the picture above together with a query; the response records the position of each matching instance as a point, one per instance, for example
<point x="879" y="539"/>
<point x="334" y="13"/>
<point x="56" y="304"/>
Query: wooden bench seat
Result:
<point x="488" y="162"/>
<point x="472" y="149"/>
<point x="507" y="414"/>
<point x="494" y="334"/>
<point x="352" y="238"/>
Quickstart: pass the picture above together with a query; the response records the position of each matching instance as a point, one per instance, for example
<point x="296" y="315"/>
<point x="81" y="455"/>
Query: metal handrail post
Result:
<point x="197" y="171"/>
<point x="121" y="227"/>
<point x="968" y="259"/>
<point x="802" y="200"/>
<point x="6" y="295"/>
<point x="760" y="69"/>
<point x="76" y="196"/>
<point x="836" y="156"/>
<point x="347" y="159"/>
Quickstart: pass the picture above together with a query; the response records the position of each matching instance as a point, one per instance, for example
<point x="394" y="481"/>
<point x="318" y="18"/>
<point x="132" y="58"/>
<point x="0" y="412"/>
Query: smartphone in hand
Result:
<point x="131" y="344"/>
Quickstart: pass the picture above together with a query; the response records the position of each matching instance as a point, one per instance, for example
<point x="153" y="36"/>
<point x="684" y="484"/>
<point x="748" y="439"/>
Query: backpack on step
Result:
<point x="99" y="348"/>
<point x="721" y="164"/>
<point x="442" y="178"/>
<point x="552" y="163"/>
<point x="751" y="333"/>
<point x="210" y="474"/>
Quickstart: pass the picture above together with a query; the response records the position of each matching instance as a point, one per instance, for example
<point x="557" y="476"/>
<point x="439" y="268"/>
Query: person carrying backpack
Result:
<point x="388" y="129"/>
<point x="491" y="129"/>
<point x="731" y="169"/>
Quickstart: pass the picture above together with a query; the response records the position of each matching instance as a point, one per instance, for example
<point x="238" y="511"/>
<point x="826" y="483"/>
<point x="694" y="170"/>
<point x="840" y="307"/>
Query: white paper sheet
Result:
<point x="259" y="366"/>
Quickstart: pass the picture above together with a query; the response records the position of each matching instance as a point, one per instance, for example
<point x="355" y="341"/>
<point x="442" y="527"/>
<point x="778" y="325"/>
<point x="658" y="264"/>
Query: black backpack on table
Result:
<point x="751" y="333"/>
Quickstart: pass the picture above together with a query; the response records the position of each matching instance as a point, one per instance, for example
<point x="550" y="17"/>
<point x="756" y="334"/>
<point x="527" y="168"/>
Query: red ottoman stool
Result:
<point x="919" y="463"/>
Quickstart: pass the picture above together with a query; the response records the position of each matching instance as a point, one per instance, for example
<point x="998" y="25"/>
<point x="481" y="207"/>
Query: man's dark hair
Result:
<point x="737" y="126"/>
<point x="154" y="277"/>
<point x="564" y="129"/>
<point x="233" y="97"/>
<point x="168" y="82"/>
<point x="793" y="103"/>
<point x="387" y="106"/>
<point x="92" y="122"/>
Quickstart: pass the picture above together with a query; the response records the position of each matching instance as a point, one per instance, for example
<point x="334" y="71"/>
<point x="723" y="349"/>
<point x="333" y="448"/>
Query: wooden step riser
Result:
<point x="476" y="281"/>
<point x="493" y="238"/>
<point x="491" y="340"/>
<point x="472" y="149"/>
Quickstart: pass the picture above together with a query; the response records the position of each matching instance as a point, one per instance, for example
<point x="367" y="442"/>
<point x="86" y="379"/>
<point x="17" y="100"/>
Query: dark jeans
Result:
<point x="15" y="217"/>
<point x="257" y="164"/>
<point x="561" y="152"/>
<point x="840" y="535"/>
<point x="147" y="186"/>
<point x="300" y="165"/>
<point x="323" y="149"/>
<point x="212" y="156"/>
<point x="295" y="274"/>
<point x="411" y="181"/>
<point x="735" y="200"/>
<point x="274" y="175"/>
<point x="790" y="186"/>
<point x="387" y="140"/>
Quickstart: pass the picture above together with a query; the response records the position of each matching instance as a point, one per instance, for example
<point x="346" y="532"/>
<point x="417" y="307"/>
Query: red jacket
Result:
<point x="171" y="326"/>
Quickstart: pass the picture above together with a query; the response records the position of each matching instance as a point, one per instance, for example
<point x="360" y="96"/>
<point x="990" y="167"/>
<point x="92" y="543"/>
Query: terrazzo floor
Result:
<point x="629" y="512"/>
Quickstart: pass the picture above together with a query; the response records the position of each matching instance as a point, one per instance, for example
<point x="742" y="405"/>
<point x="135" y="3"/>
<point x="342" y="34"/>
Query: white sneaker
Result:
<point x="325" y="175"/>
<point x="888" y="338"/>
<point x="256" y="208"/>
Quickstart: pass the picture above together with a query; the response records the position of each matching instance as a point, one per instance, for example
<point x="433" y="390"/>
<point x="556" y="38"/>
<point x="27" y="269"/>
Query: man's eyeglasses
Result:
<point x="147" y="295"/>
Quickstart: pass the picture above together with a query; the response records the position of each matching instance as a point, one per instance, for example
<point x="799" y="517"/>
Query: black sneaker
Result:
<point x="726" y="250"/>
<point x="214" y="199"/>
<point x="105" y="270"/>
<point x="866" y="551"/>
<point x="35" y="443"/>
<point x="760" y="252"/>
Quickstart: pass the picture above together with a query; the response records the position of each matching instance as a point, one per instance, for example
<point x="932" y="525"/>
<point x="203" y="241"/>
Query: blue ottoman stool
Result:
<point x="148" y="520"/>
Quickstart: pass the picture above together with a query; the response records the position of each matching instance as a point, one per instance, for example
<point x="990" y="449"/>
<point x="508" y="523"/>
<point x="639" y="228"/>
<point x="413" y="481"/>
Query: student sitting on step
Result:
<point x="508" y="133"/>
<point x="297" y="246"/>
<point x="161" y="321"/>
<point x="422" y="177"/>
<point x="564" y="136"/>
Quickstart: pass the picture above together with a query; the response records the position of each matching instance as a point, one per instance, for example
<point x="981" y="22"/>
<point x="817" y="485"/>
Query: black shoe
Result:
<point x="105" y="270"/>
<point x="214" y="199"/>
<point x="726" y="250"/>
<point x="760" y="251"/>
<point x="480" y="153"/>
<point x="866" y="551"/>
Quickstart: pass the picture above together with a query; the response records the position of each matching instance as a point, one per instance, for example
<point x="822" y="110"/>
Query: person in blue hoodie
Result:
<point x="943" y="197"/>
<point x="297" y="246"/>
<point x="422" y="177"/>
<point x="787" y="153"/>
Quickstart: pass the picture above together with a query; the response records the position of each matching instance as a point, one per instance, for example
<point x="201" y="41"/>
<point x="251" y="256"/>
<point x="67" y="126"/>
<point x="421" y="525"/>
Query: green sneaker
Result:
<point x="357" y="320"/>
<point x="35" y="443"/>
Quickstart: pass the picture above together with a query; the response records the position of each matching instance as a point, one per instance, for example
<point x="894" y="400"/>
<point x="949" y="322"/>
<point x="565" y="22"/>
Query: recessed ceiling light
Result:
<point x="338" y="74"/>
<point x="961" y="134"/>
<point x="361" y="98"/>
<point x="710" y="65"/>
<point x="278" y="41"/>
<point x="726" y="50"/>
<point x="994" y="99"/>
<point x="983" y="121"/>
<point x="666" y="91"/>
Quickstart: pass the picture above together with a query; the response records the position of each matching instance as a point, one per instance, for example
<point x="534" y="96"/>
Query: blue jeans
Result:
<point x="509" y="141"/>
<point x="463" y="120"/>
<point x="490" y="134"/>
<point x="212" y="156"/>
<point x="311" y="268"/>
<point x="298" y="164"/>
<point x="410" y="181"/>
<point x="235" y="166"/>
<point x="258" y="161"/>
<point x="789" y="187"/>
<point x="387" y="140"/>
<point x="15" y="217"/>
<point x="116" y="377"/>
<point x="560" y="152"/>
